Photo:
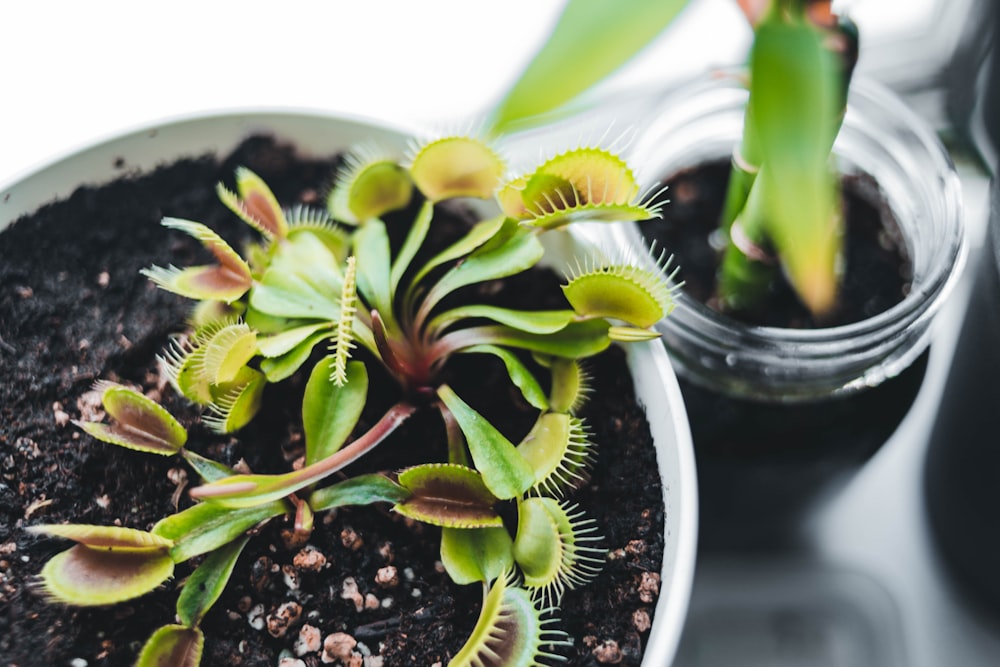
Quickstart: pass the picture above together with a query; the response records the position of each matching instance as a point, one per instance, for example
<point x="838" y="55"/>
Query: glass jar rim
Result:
<point x="946" y="256"/>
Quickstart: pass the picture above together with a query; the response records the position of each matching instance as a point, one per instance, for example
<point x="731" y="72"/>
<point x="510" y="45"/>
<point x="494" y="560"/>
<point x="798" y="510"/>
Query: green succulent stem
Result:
<point x="744" y="167"/>
<point x="799" y="68"/>
<point x="748" y="268"/>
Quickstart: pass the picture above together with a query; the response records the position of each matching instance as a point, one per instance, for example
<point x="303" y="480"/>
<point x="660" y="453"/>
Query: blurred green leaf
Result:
<point x="284" y="366"/>
<point x="591" y="40"/>
<point x="795" y="103"/>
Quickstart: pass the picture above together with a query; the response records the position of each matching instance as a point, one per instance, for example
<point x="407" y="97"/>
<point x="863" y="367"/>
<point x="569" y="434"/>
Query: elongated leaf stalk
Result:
<point x="252" y="490"/>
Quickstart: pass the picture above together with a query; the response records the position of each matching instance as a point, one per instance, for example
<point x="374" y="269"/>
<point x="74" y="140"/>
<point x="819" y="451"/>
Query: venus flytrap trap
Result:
<point x="330" y="290"/>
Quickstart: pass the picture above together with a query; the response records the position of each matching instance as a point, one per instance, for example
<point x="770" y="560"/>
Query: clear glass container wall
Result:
<point x="881" y="138"/>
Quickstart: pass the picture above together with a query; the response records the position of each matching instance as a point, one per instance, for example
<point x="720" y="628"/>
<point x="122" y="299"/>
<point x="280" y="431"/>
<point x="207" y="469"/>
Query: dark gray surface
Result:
<point x="866" y="585"/>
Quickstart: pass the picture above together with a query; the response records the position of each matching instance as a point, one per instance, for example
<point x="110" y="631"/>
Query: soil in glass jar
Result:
<point x="763" y="465"/>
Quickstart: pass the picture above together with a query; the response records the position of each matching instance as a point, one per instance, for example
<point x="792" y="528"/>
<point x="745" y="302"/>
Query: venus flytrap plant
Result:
<point x="312" y="284"/>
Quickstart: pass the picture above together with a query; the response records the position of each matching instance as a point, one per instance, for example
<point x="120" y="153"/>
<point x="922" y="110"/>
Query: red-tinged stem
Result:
<point x="299" y="479"/>
<point x="303" y="516"/>
<point x="404" y="359"/>
<point x="393" y="361"/>
<point x="461" y="339"/>
<point x="456" y="438"/>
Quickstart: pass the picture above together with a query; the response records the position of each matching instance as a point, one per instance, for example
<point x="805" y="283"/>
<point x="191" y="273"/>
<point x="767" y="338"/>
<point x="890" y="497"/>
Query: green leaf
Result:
<point x="173" y="646"/>
<point x="207" y="526"/>
<point x="795" y="102"/>
<point x="511" y="251"/>
<point x="207" y="582"/>
<point x="591" y="40"/>
<point x="457" y="166"/>
<point x="303" y="281"/>
<point x="476" y="554"/>
<point x="330" y="412"/>
<point x="89" y="576"/>
<point x="414" y="239"/>
<point x="371" y="246"/>
<point x="266" y="325"/>
<point x="445" y="494"/>
<point x="206" y="468"/>
<point x="285" y="365"/>
<point x="505" y="472"/>
<point x="360" y="490"/>
<point x="532" y="321"/>
<point x="480" y="233"/>
<point x="140" y="422"/>
<point x="576" y="341"/>
<point x="519" y="374"/>
<point x="282" y="343"/>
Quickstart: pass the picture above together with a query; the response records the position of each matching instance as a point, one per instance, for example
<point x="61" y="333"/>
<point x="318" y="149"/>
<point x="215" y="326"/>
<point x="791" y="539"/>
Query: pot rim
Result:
<point x="154" y="124"/>
<point x="149" y="144"/>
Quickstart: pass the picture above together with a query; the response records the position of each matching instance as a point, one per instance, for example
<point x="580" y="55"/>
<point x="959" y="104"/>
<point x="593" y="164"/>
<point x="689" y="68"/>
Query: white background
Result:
<point x="74" y="71"/>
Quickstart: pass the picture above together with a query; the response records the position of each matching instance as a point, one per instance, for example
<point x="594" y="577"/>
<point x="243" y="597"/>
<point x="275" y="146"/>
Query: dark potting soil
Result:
<point x="762" y="466"/>
<point x="74" y="309"/>
<point x="877" y="267"/>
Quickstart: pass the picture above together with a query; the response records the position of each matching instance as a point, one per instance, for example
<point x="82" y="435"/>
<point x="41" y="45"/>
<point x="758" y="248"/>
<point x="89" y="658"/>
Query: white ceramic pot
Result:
<point x="320" y="134"/>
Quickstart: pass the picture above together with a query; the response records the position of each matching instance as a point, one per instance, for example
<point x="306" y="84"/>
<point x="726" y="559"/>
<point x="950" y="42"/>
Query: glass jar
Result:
<point x="880" y="137"/>
<point x="777" y="414"/>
